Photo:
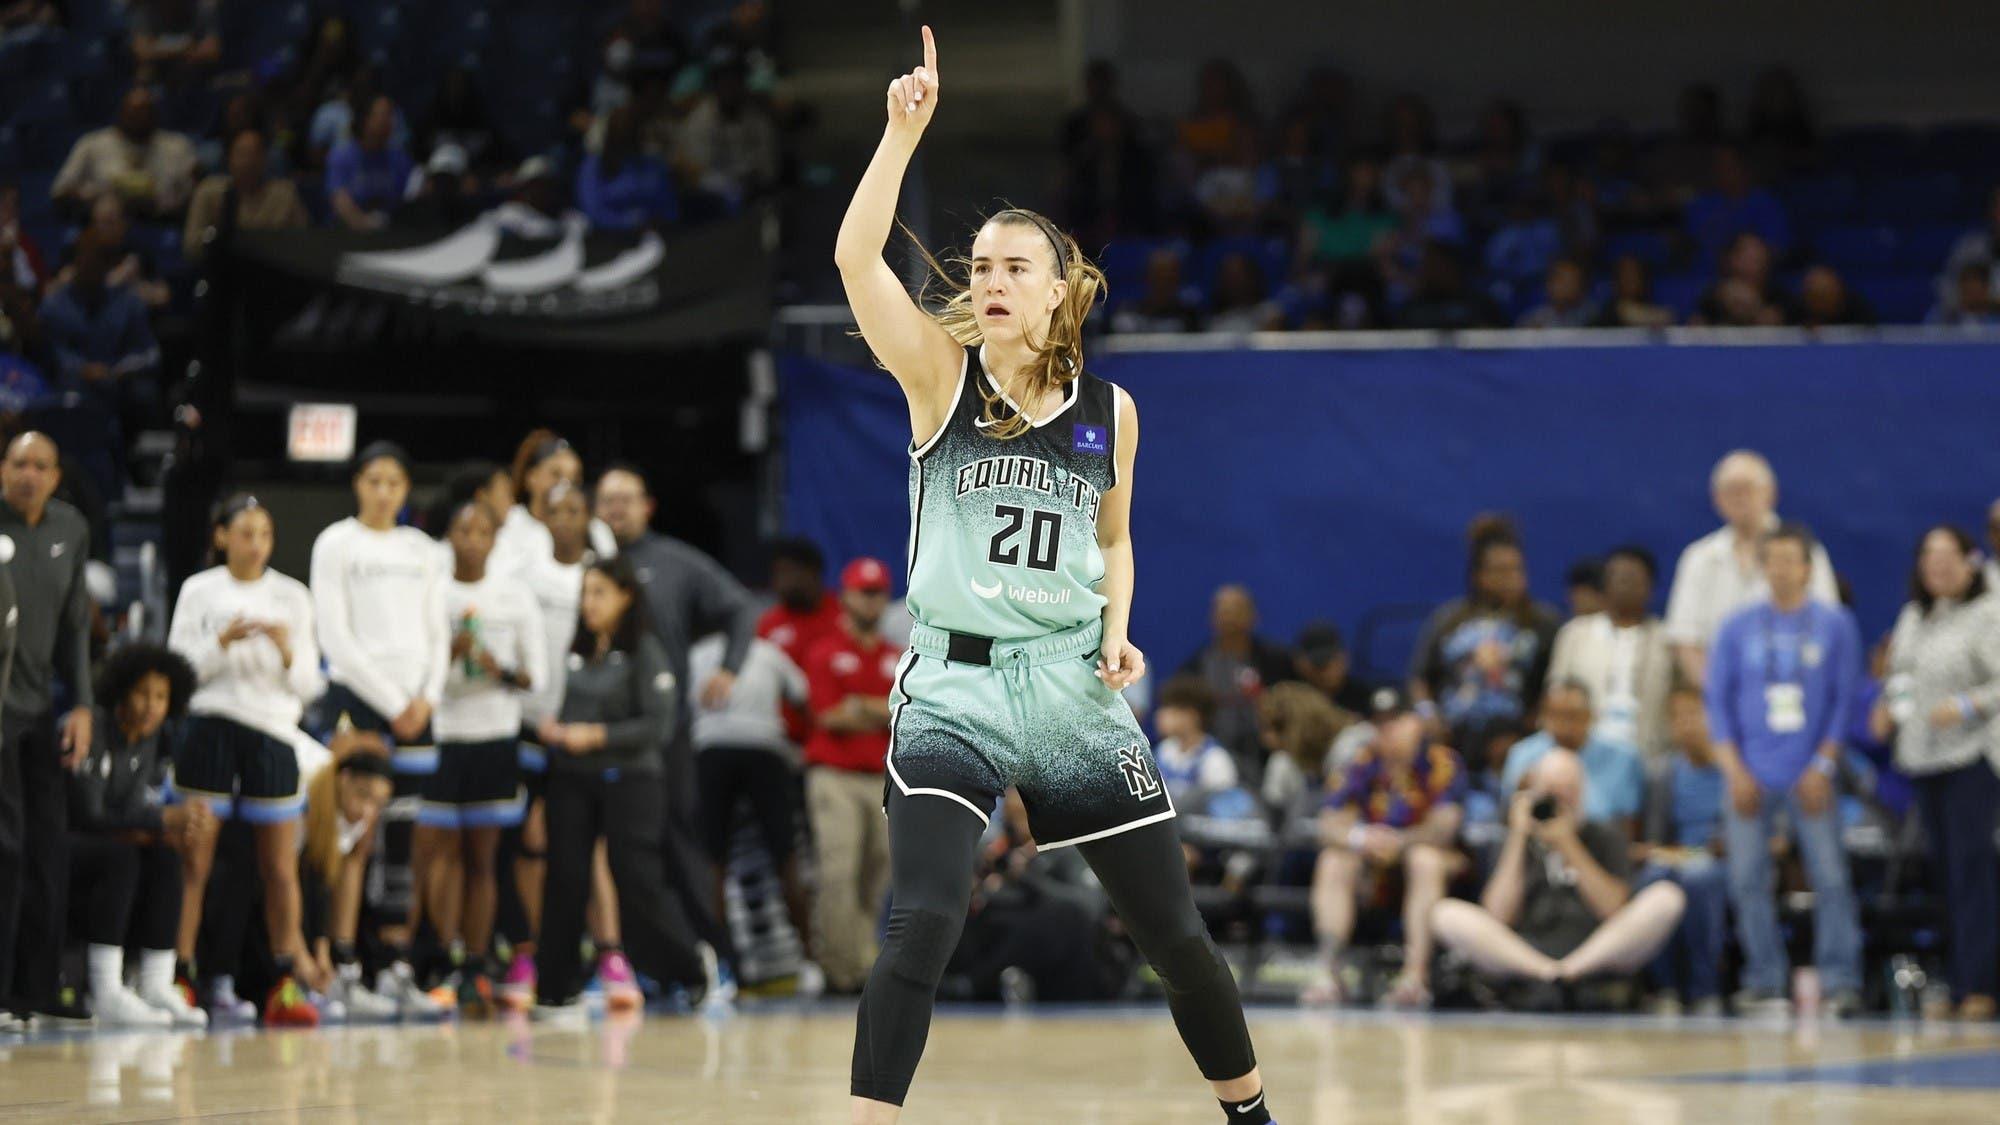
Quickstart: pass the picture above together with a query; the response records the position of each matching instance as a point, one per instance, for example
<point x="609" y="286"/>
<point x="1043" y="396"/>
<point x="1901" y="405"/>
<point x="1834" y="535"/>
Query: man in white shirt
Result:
<point x="1621" y="655"/>
<point x="1719" y="573"/>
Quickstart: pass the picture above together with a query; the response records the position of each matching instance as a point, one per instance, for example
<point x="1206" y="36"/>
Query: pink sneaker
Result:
<point x="620" y="984"/>
<point x="517" y="991"/>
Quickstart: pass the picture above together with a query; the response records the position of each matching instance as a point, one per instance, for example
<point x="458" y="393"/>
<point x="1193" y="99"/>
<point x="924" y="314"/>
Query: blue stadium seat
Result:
<point x="1927" y="246"/>
<point x="1898" y="298"/>
<point x="1852" y="248"/>
<point x="1124" y="263"/>
<point x="1649" y="246"/>
<point x="1680" y="291"/>
<point x="1820" y="201"/>
<point x="1923" y="197"/>
<point x="1272" y="255"/>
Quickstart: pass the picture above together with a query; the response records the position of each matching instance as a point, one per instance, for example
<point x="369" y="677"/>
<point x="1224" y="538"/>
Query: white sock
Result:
<point x="107" y="969"/>
<point x="156" y="972"/>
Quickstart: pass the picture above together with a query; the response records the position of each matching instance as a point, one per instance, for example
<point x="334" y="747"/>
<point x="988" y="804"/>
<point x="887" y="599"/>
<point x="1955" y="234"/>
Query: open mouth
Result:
<point x="996" y="311"/>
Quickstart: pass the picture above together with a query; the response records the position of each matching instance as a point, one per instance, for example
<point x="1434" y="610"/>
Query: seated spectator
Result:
<point x="1632" y="304"/>
<point x="1441" y="300"/>
<point x="441" y="195"/>
<point x="1299" y="731"/>
<point x="126" y="845"/>
<point x="1568" y="304"/>
<point x="1396" y="808"/>
<point x="1239" y="302"/>
<point x="174" y="42"/>
<point x="1505" y="162"/>
<point x="1216" y="145"/>
<point x="1744" y="295"/>
<point x="1320" y="659"/>
<point x="1108" y="169"/>
<point x="334" y="123"/>
<point x="245" y="197"/>
<point x="135" y="269"/>
<point x="1825" y="301"/>
<point x="1971" y="303"/>
<point x="1616" y="789"/>
<point x="1978" y="247"/>
<point x="1678" y="167"/>
<point x="728" y="144"/>
<point x="621" y="188"/>
<point x="1481" y="659"/>
<point x="746" y="34"/>
<point x="1941" y="707"/>
<point x="1621" y="655"/>
<point x="1527" y="243"/>
<point x="1583" y="587"/>
<point x="539" y="193"/>
<point x="1734" y="205"/>
<point x="1559" y="908"/>
<point x="366" y="176"/>
<point x="1325" y="108"/>
<point x="150" y="168"/>
<point x="1720" y="573"/>
<point x="1294" y="176"/>
<point x="28" y="18"/>
<point x="1165" y="306"/>
<point x="1238" y="666"/>
<point x="458" y="117"/>
<point x="98" y="332"/>
<point x="1780" y="129"/>
<point x="1781" y="676"/>
<point x="1682" y="844"/>
<point x="1334" y="235"/>
<point x="1193" y="765"/>
<point x="1413" y="146"/>
<point x="645" y="45"/>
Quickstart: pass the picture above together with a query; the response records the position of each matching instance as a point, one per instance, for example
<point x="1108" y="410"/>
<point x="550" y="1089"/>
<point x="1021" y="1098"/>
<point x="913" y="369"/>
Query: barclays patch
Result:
<point x="1091" y="439"/>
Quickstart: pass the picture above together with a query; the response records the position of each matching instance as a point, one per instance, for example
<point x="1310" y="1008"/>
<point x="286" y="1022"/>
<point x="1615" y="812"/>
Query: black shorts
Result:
<point x="240" y="771"/>
<point x="409" y="761"/>
<point x="475" y="785"/>
<point x="725" y="773"/>
<point x="534" y="759"/>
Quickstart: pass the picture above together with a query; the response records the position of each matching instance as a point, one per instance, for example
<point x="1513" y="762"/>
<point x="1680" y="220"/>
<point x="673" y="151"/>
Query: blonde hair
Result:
<point x="322" y="848"/>
<point x="1302" y="723"/>
<point x="1059" y="357"/>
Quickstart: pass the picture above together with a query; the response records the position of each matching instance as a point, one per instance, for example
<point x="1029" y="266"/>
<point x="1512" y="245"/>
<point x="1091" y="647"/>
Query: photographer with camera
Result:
<point x="1559" y="909"/>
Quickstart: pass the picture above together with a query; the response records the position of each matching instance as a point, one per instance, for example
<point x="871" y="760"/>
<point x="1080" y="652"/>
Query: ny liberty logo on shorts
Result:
<point x="1136" y="762"/>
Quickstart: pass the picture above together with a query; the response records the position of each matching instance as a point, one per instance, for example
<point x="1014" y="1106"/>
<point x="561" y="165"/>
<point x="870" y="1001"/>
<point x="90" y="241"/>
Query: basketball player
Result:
<point x="1020" y="581"/>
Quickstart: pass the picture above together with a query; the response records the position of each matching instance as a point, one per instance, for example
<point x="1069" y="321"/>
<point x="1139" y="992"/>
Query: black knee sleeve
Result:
<point x="921" y="944"/>
<point x="1207" y="1010"/>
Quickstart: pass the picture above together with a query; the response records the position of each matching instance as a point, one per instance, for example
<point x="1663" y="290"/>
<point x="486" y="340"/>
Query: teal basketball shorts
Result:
<point x="1033" y="716"/>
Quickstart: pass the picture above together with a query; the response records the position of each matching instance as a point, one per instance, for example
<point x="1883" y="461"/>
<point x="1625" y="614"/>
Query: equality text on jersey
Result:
<point x="1030" y="474"/>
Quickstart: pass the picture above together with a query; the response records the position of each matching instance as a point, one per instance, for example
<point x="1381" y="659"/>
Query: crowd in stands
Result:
<point x="1311" y="215"/>
<point x="503" y="744"/>
<point x="134" y="134"/>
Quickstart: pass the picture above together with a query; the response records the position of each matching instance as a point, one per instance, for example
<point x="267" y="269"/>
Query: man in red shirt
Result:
<point x="850" y="673"/>
<point x="806" y="614"/>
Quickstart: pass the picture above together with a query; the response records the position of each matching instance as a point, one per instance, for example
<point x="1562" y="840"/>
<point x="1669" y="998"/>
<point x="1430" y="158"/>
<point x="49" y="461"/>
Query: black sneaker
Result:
<point x="65" y="1013"/>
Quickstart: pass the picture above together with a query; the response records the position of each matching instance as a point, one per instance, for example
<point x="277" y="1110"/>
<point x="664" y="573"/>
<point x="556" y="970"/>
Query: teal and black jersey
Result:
<point x="1003" y="533"/>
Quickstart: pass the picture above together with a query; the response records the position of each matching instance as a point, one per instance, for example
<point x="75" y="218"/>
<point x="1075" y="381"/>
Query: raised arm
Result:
<point x="922" y="356"/>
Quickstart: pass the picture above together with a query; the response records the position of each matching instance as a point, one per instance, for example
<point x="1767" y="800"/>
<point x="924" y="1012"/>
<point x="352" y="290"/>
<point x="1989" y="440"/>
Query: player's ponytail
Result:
<point x="1059" y="357"/>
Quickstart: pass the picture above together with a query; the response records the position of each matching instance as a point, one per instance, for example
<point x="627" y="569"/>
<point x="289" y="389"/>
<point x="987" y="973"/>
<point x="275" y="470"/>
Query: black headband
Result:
<point x="374" y="765"/>
<point x="547" y="449"/>
<point x="376" y="451"/>
<point x="235" y="506"/>
<point x="1049" y="232"/>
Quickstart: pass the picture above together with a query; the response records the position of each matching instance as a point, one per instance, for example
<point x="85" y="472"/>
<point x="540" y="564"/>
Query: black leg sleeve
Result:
<point x="105" y="876"/>
<point x="44" y="902"/>
<point x="1143" y="873"/>
<point x="12" y="857"/>
<point x="932" y="844"/>
<point x="157" y="911"/>
<point x="657" y="933"/>
<point x="572" y="811"/>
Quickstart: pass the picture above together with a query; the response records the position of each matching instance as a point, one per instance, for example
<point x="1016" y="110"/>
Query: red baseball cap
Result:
<point x="865" y="574"/>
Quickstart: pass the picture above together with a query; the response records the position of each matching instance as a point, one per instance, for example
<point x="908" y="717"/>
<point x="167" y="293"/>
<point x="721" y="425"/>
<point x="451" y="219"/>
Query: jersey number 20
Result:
<point x="1044" y="538"/>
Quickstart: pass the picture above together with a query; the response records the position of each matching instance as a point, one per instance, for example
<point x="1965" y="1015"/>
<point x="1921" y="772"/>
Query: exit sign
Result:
<point x="320" y="431"/>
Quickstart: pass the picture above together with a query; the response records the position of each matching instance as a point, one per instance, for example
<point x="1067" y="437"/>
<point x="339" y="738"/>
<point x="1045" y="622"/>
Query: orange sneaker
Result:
<point x="288" y="1006"/>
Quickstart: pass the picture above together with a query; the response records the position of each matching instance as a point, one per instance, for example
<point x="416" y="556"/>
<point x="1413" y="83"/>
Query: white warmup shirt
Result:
<point x="475" y="707"/>
<point x="375" y="594"/>
<point x="752" y="718"/>
<point x="523" y="540"/>
<point x="558" y="592"/>
<point x="1711" y="582"/>
<point x="247" y="682"/>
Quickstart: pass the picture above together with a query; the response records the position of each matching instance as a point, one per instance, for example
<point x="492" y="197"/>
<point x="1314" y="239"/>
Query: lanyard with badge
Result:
<point x="1785" y="699"/>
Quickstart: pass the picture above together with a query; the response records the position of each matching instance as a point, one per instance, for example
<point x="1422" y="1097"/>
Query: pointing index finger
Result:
<point x="930" y="51"/>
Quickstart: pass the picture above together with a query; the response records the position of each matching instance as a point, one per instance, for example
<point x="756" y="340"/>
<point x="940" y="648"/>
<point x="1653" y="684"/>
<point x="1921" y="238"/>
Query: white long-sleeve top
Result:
<point x="558" y="592"/>
<point x="524" y="540"/>
<point x="375" y="595"/>
<point x="247" y="682"/>
<point x="476" y="707"/>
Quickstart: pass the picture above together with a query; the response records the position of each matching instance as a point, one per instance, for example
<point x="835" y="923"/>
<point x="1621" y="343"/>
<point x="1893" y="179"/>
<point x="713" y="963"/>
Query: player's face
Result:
<point x="380" y="489"/>
<point x="145" y="706"/>
<point x="363" y="795"/>
<point x="498" y="494"/>
<point x="472" y="536"/>
<point x="1013" y="282"/>
<point x="246" y="542"/>
<point x="569" y="521"/>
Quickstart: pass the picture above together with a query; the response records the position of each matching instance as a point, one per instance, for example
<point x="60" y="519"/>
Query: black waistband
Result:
<point x="964" y="648"/>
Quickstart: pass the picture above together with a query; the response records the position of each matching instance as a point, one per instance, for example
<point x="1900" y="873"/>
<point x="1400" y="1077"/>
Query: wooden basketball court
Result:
<point x="789" y="1064"/>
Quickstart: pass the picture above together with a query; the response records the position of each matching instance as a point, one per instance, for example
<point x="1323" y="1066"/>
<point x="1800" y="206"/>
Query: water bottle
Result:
<point x="1907" y="981"/>
<point x="469" y="624"/>
<point x="1897" y="691"/>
